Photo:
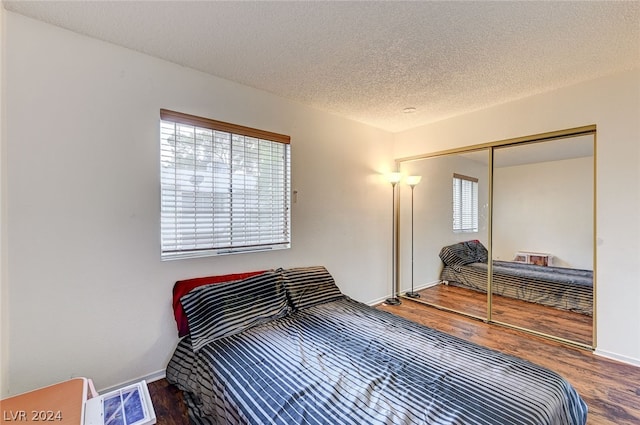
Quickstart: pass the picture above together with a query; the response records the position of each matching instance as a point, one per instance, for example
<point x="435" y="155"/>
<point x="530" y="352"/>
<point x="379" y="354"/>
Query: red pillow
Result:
<point x="183" y="287"/>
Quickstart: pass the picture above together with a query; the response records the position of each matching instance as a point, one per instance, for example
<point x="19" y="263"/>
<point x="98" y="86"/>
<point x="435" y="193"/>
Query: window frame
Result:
<point x="219" y="204"/>
<point x="465" y="208"/>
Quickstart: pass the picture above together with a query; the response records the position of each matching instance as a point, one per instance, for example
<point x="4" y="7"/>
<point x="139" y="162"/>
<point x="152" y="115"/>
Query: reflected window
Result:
<point x="465" y="204"/>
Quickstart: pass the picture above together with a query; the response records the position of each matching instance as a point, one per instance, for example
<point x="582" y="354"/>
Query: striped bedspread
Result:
<point x="343" y="362"/>
<point x="558" y="287"/>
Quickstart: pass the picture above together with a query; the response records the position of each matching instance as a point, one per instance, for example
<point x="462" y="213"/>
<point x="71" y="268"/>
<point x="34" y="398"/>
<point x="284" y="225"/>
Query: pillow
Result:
<point x="462" y="253"/>
<point x="183" y="287"/>
<point x="224" y="309"/>
<point x="308" y="286"/>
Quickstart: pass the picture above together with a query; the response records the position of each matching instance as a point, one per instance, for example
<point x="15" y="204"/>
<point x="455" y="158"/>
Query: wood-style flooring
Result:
<point x="611" y="389"/>
<point x="563" y="324"/>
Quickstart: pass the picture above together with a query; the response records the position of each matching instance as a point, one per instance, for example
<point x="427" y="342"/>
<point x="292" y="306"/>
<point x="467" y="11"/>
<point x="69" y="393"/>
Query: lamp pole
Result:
<point x="393" y="178"/>
<point x="412" y="181"/>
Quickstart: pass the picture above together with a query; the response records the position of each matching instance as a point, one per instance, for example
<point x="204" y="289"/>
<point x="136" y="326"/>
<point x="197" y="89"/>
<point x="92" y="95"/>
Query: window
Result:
<point x="225" y="188"/>
<point x="465" y="204"/>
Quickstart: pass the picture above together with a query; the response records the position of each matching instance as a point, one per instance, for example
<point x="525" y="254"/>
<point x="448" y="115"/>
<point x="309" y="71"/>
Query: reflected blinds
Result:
<point x="465" y="203"/>
<point x="225" y="188"/>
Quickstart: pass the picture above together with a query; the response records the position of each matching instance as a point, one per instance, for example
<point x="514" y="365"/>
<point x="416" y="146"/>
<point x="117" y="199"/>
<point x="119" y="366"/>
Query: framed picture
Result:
<point x="520" y="258"/>
<point x="539" y="259"/>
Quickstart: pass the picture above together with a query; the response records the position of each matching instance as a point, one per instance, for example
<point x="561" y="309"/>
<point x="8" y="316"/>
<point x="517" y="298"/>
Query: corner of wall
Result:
<point x="4" y="290"/>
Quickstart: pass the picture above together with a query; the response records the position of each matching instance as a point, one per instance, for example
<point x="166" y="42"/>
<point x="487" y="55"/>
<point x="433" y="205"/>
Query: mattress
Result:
<point x="343" y="362"/>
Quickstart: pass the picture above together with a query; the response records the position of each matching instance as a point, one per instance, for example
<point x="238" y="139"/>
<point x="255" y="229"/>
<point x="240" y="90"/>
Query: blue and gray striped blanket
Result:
<point x="343" y="362"/>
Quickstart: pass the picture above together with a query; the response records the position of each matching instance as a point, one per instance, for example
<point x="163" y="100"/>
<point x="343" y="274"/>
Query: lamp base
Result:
<point x="393" y="301"/>
<point x="412" y="295"/>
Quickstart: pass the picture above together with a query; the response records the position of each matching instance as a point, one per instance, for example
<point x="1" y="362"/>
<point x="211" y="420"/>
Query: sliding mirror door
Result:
<point x="443" y="223"/>
<point x="542" y="237"/>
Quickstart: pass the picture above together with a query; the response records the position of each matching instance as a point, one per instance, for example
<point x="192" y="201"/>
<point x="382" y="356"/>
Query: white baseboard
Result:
<point x="377" y="301"/>
<point x="416" y="288"/>
<point x="428" y="285"/>
<point x="619" y="357"/>
<point x="152" y="377"/>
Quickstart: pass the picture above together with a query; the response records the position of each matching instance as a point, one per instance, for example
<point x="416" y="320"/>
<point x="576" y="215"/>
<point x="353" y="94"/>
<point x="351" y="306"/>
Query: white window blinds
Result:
<point x="225" y="188"/>
<point x="465" y="203"/>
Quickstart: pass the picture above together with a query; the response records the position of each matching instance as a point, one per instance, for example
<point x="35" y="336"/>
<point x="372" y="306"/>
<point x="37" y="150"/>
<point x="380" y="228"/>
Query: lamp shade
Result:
<point x="394" y="178"/>
<point x="413" y="180"/>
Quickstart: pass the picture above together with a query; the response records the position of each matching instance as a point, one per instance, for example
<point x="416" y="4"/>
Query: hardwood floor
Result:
<point x="611" y="389"/>
<point x="168" y="403"/>
<point x="551" y="321"/>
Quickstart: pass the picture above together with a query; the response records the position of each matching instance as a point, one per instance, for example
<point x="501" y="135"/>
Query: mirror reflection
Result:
<point x="543" y="237"/>
<point x="449" y="206"/>
<point x="541" y="243"/>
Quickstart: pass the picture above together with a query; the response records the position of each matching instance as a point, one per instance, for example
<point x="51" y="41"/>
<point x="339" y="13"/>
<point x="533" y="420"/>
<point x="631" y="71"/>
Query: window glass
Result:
<point x="465" y="203"/>
<point x="222" y="192"/>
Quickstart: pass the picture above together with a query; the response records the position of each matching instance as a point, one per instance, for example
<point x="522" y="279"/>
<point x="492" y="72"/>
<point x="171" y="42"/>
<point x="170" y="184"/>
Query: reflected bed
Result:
<point x="465" y="265"/>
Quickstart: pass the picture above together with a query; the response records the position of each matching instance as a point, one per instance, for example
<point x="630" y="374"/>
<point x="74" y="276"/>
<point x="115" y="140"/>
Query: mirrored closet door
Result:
<point x="438" y="216"/>
<point x="543" y="233"/>
<point x="515" y="216"/>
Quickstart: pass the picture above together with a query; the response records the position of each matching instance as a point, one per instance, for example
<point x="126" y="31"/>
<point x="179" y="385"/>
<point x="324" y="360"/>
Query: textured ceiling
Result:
<point x="369" y="60"/>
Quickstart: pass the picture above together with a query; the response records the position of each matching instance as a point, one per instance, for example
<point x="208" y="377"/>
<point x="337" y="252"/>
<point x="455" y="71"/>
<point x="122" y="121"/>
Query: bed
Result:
<point x="465" y="264"/>
<point x="304" y="353"/>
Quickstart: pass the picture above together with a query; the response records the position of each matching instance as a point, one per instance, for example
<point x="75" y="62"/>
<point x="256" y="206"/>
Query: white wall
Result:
<point x="545" y="207"/>
<point x="613" y="104"/>
<point x="88" y="294"/>
<point x="4" y="288"/>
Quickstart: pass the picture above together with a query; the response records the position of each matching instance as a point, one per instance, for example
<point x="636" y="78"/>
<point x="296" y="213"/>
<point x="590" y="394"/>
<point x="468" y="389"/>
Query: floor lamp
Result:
<point x="393" y="178"/>
<point x="412" y="181"/>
